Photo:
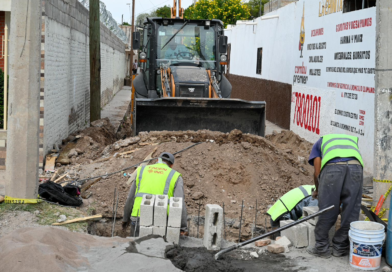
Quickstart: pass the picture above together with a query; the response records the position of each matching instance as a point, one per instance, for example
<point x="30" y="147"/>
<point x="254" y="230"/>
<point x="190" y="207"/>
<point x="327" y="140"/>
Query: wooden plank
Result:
<point x="87" y="185"/>
<point x="54" y="175"/>
<point x="77" y="220"/>
<point x="129" y="152"/>
<point x="133" y="175"/>
<point x="60" y="178"/>
<point x="145" y="144"/>
<point x="50" y="163"/>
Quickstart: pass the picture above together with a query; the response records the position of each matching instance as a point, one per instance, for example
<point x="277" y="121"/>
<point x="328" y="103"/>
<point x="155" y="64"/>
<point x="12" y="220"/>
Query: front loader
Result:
<point x="181" y="84"/>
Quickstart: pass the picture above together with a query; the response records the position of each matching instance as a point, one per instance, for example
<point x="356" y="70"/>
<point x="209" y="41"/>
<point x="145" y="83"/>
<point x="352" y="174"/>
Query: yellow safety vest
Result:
<point x="156" y="179"/>
<point x="289" y="200"/>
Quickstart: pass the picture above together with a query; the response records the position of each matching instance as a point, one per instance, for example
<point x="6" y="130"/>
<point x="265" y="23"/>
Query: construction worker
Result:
<point x="338" y="176"/>
<point x="156" y="179"/>
<point x="291" y="204"/>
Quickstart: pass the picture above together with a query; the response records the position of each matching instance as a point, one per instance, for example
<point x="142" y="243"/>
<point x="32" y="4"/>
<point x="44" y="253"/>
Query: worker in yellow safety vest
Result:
<point x="291" y="204"/>
<point x="156" y="179"/>
<point x="338" y="176"/>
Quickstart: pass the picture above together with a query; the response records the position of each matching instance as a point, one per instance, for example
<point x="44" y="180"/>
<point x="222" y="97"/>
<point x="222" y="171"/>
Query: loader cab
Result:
<point x="177" y="43"/>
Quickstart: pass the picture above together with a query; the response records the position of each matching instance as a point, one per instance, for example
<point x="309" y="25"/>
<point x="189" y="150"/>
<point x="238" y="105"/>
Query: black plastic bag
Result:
<point x="55" y="193"/>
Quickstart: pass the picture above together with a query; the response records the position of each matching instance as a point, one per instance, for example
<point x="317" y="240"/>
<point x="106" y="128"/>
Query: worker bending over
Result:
<point x="291" y="204"/>
<point x="338" y="176"/>
<point x="166" y="181"/>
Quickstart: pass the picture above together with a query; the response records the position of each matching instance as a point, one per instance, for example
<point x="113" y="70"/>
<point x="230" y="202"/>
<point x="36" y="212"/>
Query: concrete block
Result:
<point x="159" y="231"/>
<point x="312" y="237"/>
<point x="309" y="211"/>
<point x="263" y="242"/>
<point x="298" y="234"/>
<point x="173" y="235"/>
<point x="213" y="227"/>
<point x="175" y="212"/>
<point x="144" y="231"/>
<point x="275" y="248"/>
<point x="160" y="211"/>
<point x="147" y="211"/>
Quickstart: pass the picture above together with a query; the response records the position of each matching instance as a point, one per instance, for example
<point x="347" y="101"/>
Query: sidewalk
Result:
<point x="115" y="110"/>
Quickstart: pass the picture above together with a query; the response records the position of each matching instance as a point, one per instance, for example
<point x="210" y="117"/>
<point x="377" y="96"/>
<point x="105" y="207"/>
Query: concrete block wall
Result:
<point x="65" y="78"/>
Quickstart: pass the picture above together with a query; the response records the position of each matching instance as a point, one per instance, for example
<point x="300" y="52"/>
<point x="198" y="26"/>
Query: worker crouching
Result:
<point x="156" y="179"/>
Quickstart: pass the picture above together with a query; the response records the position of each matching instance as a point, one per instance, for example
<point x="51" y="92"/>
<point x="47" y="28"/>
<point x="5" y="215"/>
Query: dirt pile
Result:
<point x="226" y="168"/>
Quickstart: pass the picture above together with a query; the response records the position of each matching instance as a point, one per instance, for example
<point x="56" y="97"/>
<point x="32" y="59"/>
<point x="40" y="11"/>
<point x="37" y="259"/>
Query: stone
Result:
<point x="213" y="225"/>
<point x="72" y="153"/>
<point x="144" y="231"/>
<point x="1" y="199"/>
<point x="173" y="235"/>
<point x="233" y="201"/>
<point x="283" y="241"/>
<point x="161" y="231"/>
<point x="160" y="211"/>
<point x="197" y="195"/>
<point x="275" y="248"/>
<point x="36" y="212"/>
<point x="246" y="145"/>
<point x="386" y="269"/>
<point x="175" y="212"/>
<point x="298" y="234"/>
<point x="263" y="242"/>
<point x="309" y="211"/>
<point x="147" y="210"/>
<point x="254" y="255"/>
<point x="62" y="218"/>
<point x="56" y="214"/>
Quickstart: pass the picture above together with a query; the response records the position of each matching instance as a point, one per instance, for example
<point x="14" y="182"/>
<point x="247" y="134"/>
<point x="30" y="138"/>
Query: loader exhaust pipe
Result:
<point x="217" y="255"/>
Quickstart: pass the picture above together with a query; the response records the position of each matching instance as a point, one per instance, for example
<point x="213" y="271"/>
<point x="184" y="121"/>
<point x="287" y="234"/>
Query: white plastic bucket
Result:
<point x="366" y="240"/>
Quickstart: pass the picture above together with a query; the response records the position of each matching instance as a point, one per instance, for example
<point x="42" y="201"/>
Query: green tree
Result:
<point x="141" y="17"/>
<point x="255" y="6"/>
<point x="163" y="12"/>
<point x="228" y="11"/>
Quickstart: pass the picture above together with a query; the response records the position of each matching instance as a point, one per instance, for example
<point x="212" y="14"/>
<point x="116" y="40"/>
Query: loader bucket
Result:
<point x="176" y="114"/>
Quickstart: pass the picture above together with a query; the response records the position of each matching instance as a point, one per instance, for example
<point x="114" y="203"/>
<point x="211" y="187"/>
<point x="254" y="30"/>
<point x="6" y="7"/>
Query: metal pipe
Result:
<point x="5" y="92"/>
<point x="217" y="255"/>
<point x="254" y="226"/>
<point x="115" y="214"/>
<point x="177" y="9"/>
<point x="198" y="221"/>
<point x="224" y="221"/>
<point x="242" y="208"/>
<point x="363" y="4"/>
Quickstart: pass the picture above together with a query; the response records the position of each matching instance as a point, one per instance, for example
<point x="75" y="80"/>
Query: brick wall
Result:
<point x="65" y="88"/>
<point x="2" y="25"/>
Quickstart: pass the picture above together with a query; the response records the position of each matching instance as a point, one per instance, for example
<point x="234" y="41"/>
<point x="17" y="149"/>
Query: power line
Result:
<point x="153" y="7"/>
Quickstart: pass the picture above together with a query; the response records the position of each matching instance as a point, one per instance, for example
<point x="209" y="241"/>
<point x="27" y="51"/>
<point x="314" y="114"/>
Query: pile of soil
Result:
<point x="200" y="259"/>
<point x="225" y="168"/>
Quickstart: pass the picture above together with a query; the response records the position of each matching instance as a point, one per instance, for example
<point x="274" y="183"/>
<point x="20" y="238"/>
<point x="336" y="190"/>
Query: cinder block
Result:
<point x="173" y="235"/>
<point x="160" y="211"/>
<point x="175" y="212"/>
<point x="312" y="237"/>
<point x="144" y="231"/>
<point x="213" y="227"/>
<point x="159" y="231"/>
<point x="309" y="211"/>
<point x="298" y="234"/>
<point x="147" y="211"/>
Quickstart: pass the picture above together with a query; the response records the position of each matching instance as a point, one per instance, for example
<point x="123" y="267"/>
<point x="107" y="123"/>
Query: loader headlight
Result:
<point x="223" y="58"/>
<point x="143" y="55"/>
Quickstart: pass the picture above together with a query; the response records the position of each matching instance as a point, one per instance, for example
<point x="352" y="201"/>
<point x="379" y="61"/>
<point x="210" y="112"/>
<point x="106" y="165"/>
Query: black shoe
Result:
<point x="313" y="251"/>
<point x="336" y="253"/>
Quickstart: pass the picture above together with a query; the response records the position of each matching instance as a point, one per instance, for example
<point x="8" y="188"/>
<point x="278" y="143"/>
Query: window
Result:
<point x="353" y="5"/>
<point x="259" y="60"/>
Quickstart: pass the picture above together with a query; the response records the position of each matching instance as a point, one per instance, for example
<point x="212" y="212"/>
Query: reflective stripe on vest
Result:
<point x="156" y="179"/>
<point x="288" y="201"/>
<point x="339" y="146"/>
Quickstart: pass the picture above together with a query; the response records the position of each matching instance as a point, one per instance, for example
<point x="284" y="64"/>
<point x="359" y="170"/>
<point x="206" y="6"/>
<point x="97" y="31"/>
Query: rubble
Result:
<point x="263" y="242"/>
<point x="275" y="248"/>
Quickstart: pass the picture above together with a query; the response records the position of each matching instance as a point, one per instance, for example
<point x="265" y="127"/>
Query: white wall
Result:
<point x="5" y="5"/>
<point x="336" y="106"/>
<point x="67" y="70"/>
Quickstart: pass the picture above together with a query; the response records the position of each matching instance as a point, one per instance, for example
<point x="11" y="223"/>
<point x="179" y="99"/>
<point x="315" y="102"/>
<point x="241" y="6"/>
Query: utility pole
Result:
<point x="260" y="9"/>
<point x="383" y="103"/>
<point x="24" y="99"/>
<point x="95" y="61"/>
<point x="132" y="30"/>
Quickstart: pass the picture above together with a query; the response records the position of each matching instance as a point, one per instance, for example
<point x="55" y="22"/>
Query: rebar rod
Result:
<point x="239" y="235"/>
